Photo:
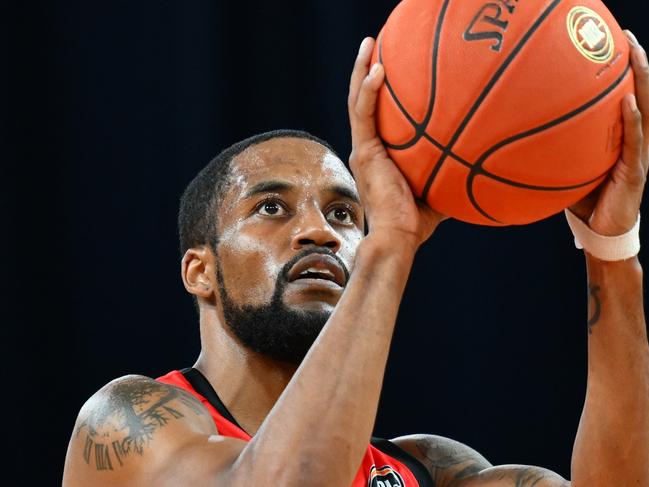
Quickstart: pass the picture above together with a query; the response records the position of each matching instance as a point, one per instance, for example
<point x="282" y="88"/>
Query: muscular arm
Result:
<point x="612" y="445"/>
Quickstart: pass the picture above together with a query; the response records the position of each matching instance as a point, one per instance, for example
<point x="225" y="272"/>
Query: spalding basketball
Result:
<point x="502" y="112"/>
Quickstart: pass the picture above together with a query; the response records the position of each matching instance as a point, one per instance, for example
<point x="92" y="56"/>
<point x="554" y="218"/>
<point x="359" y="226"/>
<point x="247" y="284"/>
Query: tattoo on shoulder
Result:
<point x="127" y="422"/>
<point x="593" y="295"/>
<point x="450" y="462"/>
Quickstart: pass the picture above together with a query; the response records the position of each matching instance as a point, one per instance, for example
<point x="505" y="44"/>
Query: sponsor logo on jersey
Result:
<point x="590" y="34"/>
<point x="385" y="476"/>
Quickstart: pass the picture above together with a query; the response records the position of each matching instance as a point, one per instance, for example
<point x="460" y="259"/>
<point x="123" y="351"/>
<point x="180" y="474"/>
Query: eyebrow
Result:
<point x="345" y="192"/>
<point x="277" y="186"/>
<point x="268" y="187"/>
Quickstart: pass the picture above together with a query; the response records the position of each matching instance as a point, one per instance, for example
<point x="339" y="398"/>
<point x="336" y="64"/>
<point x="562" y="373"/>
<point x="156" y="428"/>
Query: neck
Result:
<point x="248" y="383"/>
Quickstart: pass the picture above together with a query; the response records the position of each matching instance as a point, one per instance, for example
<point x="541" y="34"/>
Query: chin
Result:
<point x="310" y="306"/>
<point x="312" y="298"/>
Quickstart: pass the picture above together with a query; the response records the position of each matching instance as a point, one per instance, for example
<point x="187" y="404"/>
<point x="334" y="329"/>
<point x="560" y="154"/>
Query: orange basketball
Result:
<point x="502" y="112"/>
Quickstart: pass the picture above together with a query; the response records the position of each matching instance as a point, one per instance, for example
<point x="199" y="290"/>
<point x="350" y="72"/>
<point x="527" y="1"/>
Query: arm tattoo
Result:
<point x="127" y="421"/>
<point x="448" y="461"/>
<point x="593" y="293"/>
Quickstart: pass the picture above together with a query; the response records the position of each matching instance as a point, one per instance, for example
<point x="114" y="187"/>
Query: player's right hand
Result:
<point x="389" y="204"/>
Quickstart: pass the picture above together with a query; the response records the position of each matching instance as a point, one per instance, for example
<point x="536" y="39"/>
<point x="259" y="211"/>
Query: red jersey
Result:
<point x="384" y="463"/>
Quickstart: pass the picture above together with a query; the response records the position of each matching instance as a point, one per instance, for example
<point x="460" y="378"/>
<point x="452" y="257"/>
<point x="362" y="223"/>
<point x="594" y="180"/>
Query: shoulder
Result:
<point x="141" y="405"/>
<point x="131" y="421"/>
<point x="454" y="464"/>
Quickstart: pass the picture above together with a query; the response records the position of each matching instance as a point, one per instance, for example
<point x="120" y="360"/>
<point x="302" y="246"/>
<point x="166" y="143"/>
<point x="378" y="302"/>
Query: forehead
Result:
<point x="302" y="162"/>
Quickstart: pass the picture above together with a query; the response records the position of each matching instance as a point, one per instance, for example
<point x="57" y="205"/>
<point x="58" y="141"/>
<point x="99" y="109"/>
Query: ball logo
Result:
<point x="590" y="34"/>
<point x="490" y="23"/>
<point x="385" y="476"/>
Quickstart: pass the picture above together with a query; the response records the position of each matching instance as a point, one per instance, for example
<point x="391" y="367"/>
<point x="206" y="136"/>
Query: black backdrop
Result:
<point x="110" y="108"/>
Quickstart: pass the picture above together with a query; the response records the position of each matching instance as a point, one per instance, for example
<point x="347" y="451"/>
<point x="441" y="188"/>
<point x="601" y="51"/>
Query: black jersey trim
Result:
<point x="201" y="385"/>
<point x="415" y="466"/>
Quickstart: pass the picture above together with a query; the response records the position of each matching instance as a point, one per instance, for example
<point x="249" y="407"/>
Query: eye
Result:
<point x="341" y="215"/>
<point x="271" y="208"/>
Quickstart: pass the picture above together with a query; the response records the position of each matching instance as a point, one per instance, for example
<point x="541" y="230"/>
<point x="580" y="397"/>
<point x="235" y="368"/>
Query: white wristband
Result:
<point x="620" y="247"/>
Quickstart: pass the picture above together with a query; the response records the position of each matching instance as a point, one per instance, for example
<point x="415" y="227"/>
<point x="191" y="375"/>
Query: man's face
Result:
<point x="289" y="225"/>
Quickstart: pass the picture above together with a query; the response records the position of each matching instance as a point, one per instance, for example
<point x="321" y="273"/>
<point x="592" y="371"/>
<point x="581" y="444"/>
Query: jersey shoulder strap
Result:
<point x="415" y="466"/>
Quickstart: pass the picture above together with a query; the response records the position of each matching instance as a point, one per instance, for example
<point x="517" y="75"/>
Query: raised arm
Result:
<point x="320" y="427"/>
<point x="612" y="445"/>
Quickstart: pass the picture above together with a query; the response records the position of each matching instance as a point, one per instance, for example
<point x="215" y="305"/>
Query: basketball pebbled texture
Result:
<point x="502" y="112"/>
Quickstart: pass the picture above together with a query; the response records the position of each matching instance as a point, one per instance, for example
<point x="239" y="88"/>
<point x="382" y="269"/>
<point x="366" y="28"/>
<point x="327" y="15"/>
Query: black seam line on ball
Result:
<point x="477" y="168"/>
<point x="420" y="128"/>
<point x="511" y="182"/>
<point x="475" y="204"/>
<point x="496" y="77"/>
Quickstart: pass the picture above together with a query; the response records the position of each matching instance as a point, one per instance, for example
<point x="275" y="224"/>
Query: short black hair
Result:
<point x="200" y="202"/>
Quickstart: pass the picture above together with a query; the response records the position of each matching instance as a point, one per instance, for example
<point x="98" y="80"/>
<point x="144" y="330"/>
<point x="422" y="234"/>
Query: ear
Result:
<point x="197" y="271"/>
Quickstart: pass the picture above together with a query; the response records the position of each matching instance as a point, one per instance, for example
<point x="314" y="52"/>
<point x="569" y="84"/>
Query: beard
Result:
<point x="273" y="329"/>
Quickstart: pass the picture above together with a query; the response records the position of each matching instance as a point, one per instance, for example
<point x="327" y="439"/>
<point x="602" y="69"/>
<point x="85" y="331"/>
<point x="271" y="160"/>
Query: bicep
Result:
<point x="136" y="431"/>
<point x="453" y="464"/>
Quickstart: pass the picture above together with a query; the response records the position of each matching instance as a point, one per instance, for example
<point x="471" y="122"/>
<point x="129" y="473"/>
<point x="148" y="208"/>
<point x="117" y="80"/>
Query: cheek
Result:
<point x="348" y="245"/>
<point x="249" y="268"/>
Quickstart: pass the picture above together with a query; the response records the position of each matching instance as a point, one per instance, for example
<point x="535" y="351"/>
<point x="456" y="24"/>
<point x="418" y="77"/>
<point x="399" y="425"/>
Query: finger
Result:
<point x="361" y="68"/>
<point x="363" y="121"/>
<point x="641" y="70"/>
<point x="631" y="167"/>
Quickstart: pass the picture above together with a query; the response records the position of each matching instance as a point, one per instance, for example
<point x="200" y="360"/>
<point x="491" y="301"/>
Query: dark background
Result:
<point x="110" y="108"/>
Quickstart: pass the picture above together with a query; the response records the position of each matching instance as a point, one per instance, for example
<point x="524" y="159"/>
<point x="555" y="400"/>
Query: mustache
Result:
<point x="321" y="250"/>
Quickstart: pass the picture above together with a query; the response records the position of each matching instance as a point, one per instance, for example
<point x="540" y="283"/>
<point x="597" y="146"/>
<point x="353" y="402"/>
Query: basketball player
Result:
<point x="297" y="308"/>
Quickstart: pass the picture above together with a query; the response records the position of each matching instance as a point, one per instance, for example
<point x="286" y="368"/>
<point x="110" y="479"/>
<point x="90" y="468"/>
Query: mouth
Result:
<point x="318" y="266"/>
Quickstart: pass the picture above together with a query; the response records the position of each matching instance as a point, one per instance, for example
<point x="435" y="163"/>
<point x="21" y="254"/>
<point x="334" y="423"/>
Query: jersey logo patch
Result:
<point x="385" y="476"/>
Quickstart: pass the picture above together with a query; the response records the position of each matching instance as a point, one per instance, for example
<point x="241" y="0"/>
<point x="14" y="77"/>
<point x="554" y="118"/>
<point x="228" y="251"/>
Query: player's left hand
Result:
<point x="613" y="208"/>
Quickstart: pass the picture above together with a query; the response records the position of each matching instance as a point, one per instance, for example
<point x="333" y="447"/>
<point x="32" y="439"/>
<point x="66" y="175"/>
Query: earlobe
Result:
<point x="196" y="268"/>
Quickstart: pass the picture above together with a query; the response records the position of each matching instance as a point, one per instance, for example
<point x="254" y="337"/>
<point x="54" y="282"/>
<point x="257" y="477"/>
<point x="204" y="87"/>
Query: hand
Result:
<point x="388" y="201"/>
<point x="613" y="208"/>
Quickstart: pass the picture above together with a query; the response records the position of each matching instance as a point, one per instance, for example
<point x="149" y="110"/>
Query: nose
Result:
<point x="314" y="229"/>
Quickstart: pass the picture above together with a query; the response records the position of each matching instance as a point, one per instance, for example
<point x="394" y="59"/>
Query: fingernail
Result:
<point x="631" y="37"/>
<point x="363" y="45"/>
<point x="374" y="70"/>
<point x="640" y="57"/>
